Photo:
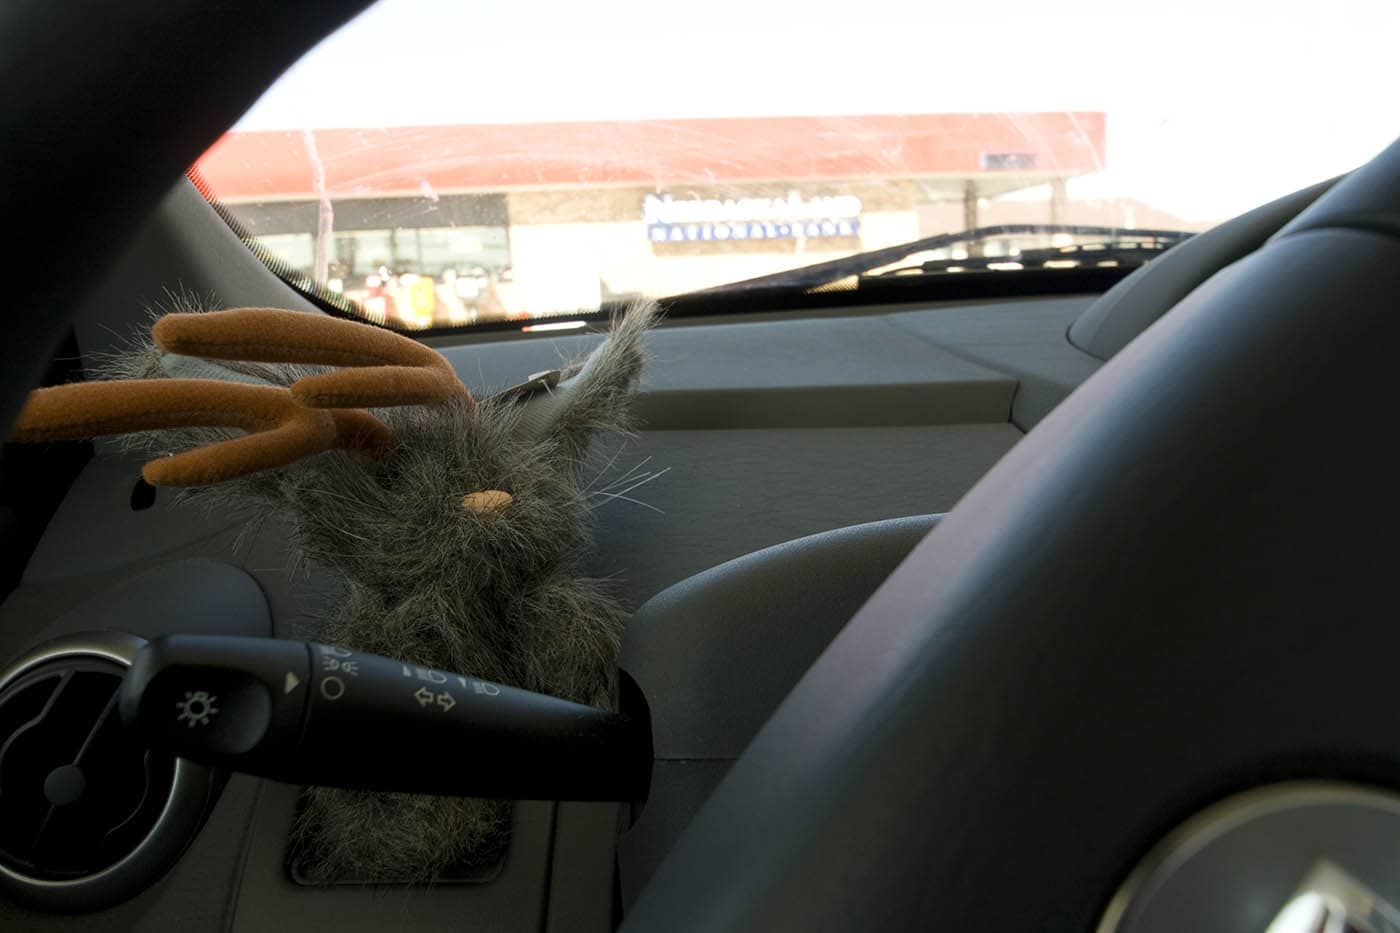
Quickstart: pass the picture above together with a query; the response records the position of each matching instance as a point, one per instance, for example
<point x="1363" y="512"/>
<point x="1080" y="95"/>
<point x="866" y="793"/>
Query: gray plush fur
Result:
<point x="497" y="596"/>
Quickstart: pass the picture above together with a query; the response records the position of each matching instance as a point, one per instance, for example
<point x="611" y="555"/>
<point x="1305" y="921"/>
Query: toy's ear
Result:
<point x="596" y="399"/>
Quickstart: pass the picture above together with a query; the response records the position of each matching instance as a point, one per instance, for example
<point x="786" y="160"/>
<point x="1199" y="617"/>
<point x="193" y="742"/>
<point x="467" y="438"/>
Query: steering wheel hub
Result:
<point x="1284" y="858"/>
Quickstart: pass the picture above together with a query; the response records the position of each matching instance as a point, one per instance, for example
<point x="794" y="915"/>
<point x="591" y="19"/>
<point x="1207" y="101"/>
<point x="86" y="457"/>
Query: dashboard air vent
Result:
<point x="76" y="794"/>
<point x="88" y="815"/>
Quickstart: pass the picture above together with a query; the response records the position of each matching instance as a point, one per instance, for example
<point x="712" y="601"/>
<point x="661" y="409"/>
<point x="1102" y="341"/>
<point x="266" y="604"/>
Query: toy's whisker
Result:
<point x="640" y="482"/>
<point x="629" y="475"/>
<point x="614" y="487"/>
<point x="616" y="495"/>
<point x="607" y="466"/>
<point x="643" y="462"/>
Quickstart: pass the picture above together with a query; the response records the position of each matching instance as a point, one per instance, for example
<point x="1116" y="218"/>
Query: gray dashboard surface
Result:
<point x="714" y="655"/>
<point x="826" y="372"/>
<point x="1024" y="338"/>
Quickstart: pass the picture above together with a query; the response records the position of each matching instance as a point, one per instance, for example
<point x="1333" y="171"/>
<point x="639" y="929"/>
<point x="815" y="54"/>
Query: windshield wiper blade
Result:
<point x="1142" y="242"/>
<point x="1130" y="254"/>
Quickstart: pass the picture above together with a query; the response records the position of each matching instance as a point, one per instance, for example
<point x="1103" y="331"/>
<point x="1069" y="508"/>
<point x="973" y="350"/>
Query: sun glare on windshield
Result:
<point x="379" y="172"/>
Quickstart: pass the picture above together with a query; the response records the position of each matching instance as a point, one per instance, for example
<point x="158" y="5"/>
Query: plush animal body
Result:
<point x="458" y="525"/>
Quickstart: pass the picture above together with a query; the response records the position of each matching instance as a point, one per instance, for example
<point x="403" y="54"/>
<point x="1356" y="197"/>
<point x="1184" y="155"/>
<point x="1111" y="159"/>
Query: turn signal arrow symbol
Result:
<point x="291" y="683"/>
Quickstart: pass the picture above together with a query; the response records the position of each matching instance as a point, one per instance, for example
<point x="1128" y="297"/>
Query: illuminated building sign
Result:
<point x="690" y="220"/>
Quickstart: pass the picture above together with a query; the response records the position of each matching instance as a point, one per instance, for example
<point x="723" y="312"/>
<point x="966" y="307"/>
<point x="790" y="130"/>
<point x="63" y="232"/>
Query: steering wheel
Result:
<point x="1178" y="586"/>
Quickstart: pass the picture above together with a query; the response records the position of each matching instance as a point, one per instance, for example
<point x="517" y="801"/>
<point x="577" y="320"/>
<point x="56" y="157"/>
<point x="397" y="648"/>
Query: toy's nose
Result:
<point x="487" y="501"/>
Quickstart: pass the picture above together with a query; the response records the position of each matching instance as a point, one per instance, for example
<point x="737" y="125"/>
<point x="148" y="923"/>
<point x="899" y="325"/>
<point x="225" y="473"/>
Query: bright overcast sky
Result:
<point x="1213" y="106"/>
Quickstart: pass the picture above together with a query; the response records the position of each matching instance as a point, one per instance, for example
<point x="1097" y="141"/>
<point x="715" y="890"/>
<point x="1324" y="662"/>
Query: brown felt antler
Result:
<point x="316" y="414"/>
<point x="390" y="369"/>
<point x="280" y="430"/>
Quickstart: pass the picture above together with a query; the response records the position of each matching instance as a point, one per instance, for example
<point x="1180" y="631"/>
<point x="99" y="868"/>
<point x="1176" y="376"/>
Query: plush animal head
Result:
<point x="389" y="466"/>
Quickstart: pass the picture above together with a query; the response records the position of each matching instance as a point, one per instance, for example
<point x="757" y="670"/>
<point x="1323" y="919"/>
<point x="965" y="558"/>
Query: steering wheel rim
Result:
<point x="1168" y="592"/>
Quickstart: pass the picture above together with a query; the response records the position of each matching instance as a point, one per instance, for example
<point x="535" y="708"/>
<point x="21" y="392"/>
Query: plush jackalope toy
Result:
<point x="457" y="524"/>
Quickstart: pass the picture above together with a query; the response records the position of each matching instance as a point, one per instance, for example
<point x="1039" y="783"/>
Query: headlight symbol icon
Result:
<point x="196" y="707"/>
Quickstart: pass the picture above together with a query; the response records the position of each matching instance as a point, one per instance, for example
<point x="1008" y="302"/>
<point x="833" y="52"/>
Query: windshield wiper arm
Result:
<point x="823" y="273"/>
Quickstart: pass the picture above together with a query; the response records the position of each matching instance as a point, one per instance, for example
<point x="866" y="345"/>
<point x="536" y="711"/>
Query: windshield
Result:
<point x="439" y="164"/>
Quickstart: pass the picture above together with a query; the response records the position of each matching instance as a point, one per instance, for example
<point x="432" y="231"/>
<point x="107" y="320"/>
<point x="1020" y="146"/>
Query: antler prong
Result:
<point x="385" y="368"/>
<point x="280" y="429"/>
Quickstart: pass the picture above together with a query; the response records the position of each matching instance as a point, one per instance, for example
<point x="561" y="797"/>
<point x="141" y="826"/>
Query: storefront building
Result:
<point x="557" y="217"/>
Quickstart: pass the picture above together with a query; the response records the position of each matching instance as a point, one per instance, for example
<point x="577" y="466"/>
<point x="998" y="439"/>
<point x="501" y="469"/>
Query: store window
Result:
<point x="413" y="262"/>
